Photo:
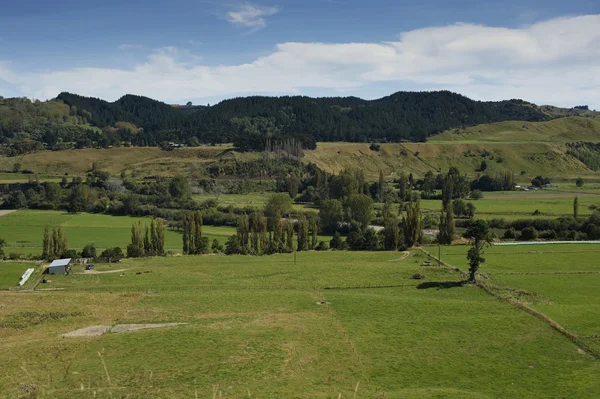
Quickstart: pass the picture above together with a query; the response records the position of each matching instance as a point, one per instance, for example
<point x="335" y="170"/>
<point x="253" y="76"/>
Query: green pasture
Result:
<point x="11" y="272"/>
<point x="523" y="207"/>
<point x="254" y="330"/>
<point x="559" y="280"/>
<point x="23" y="230"/>
<point x="255" y="200"/>
<point x="10" y="178"/>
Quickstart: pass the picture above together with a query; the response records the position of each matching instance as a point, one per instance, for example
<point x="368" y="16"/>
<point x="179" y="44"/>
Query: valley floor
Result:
<point x="258" y="327"/>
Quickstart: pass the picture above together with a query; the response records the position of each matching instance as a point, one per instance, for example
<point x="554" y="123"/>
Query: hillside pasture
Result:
<point x="255" y="329"/>
<point x="562" y="130"/>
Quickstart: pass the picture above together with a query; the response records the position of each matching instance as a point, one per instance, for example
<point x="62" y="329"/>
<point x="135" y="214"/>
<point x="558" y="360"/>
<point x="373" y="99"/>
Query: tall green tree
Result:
<point x="47" y="245"/>
<point x="413" y="224"/>
<point x="576" y="207"/>
<point x="303" y="233"/>
<point x="480" y="235"/>
<point x="447" y="227"/>
<point x="391" y="232"/>
<point x="314" y="232"/>
<point x="360" y="209"/>
<point x="179" y="187"/>
<point x="331" y="214"/>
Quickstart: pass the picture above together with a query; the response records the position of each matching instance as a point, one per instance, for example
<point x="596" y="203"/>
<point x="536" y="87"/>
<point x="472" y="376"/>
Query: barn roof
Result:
<point x="60" y="262"/>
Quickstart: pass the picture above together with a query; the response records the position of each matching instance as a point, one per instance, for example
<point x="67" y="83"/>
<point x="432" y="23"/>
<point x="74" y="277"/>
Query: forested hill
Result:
<point x="250" y="121"/>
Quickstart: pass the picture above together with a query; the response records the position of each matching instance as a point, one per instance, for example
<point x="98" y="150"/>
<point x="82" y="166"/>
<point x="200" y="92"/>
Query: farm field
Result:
<point x="257" y="200"/>
<point x="560" y="280"/>
<point x="254" y="329"/>
<point x="11" y="272"/>
<point x="23" y="230"/>
<point x="522" y="206"/>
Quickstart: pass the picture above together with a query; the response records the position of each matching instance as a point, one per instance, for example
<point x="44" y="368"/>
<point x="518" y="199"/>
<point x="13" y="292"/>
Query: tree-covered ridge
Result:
<point x="28" y="125"/>
<point x="403" y="116"/>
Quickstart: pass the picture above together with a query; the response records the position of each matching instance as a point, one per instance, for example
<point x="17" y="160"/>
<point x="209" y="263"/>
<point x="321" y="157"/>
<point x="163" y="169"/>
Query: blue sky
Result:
<point x="205" y="51"/>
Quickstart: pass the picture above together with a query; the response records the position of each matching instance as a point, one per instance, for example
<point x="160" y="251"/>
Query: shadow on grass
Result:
<point x="440" y="285"/>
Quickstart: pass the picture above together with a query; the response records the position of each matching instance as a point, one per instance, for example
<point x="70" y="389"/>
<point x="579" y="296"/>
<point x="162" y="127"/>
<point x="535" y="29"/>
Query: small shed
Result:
<point x="60" y="266"/>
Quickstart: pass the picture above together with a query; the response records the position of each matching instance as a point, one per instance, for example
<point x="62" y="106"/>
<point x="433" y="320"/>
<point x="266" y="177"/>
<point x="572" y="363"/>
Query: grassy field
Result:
<point x="11" y="272"/>
<point x="515" y="206"/>
<point x="559" y="280"/>
<point x="23" y="230"/>
<point x="255" y="330"/>
<point x="256" y="200"/>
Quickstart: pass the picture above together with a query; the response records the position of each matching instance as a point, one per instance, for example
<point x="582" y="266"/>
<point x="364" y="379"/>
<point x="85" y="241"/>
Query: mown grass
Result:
<point x="254" y="330"/>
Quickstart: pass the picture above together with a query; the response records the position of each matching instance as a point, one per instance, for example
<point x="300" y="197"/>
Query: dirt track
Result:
<point x="7" y="211"/>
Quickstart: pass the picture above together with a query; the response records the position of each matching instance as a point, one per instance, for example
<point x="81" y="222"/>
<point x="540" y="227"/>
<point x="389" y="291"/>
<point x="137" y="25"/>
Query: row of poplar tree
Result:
<point x="147" y="240"/>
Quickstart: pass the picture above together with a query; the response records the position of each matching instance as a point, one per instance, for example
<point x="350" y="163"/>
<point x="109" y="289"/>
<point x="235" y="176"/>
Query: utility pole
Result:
<point x="439" y="255"/>
<point x="295" y="253"/>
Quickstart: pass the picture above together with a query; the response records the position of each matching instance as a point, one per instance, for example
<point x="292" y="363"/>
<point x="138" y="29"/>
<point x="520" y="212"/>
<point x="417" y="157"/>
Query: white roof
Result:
<point x="60" y="262"/>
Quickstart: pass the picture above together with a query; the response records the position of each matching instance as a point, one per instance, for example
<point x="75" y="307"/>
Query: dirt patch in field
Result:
<point x="134" y="327"/>
<point x="540" y="195"/>
<point x="105" y="272"/>
<point x="91" y="331"/>
<point x="94" y="331"/>
<point x="7" y="211"/>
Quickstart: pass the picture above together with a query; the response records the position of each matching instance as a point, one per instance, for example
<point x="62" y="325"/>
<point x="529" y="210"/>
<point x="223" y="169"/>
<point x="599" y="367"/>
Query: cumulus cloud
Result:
<point x="251" y="16"/>
<point x="555" y="61"/>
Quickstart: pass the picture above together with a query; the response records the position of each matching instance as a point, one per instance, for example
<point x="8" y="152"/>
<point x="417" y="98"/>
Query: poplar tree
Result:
<point x="447" y="228"/>
<point x="289" y="227"/>
<point x="413" y="224"/>
<point x="48" y="246"/>
<point x="576" y="207"/>
<point x="314" y="231"/>
<point x="278" y="233"/>
<point x="302" y="226"/>
<point x="160" y="238"/>
<point x="243" y="232"/>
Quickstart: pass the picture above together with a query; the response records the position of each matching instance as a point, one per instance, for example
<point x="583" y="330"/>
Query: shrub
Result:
<point x="374" y="147"/>
<point x="498" y="223"/>
<point x="322" y="246"/>
<point x="418" y="276"/>
<point x="89" y="251"/>
<point x="476" y="194"/>
<point x="336" y="242"/>
<point x="548" y="235"/>
<point x="528" y="234"/>
<point x="113" y="254"/>
<point x="510" y="234"/>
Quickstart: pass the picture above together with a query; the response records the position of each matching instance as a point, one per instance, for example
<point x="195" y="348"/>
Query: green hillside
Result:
<point x="560" y="130"/>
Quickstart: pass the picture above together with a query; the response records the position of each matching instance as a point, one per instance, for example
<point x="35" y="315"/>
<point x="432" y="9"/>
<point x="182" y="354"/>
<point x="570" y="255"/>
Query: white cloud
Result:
<point x="556" y="61"/>
<point x="251" y="16"/>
